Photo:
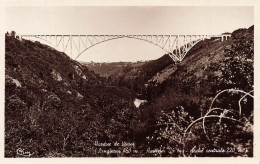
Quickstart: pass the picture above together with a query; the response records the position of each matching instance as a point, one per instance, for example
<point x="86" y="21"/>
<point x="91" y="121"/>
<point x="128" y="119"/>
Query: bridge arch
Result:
<point x="122" y="49"/>
<point x="121" y="38"/>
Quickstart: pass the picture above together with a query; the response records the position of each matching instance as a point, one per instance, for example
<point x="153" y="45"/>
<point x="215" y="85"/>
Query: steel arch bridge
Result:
<point x="176" y="46"/>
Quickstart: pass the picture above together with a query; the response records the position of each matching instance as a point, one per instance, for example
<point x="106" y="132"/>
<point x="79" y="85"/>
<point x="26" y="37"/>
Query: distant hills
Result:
<point x="112" y="69"/>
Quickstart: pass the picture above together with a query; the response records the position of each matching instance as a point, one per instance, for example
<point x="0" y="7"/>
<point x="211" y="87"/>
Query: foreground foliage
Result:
<point x="186" y="98"/>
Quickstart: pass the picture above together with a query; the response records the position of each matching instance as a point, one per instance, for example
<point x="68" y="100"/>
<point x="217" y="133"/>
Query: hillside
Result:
<point x="189" y="87"/>
<point x="211" y="66"/>
<point x="52" y="103"/>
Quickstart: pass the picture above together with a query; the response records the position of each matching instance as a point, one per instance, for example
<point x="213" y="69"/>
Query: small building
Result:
<point x="225" y="36"/>
<point x="221" y="37"/>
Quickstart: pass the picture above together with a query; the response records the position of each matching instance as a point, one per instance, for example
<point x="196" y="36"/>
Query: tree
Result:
<point x="13" y="33"/>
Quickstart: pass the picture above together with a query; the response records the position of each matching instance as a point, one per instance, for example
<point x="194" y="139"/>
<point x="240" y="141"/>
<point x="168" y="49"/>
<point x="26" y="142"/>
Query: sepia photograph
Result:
<point x="129" y="81"/>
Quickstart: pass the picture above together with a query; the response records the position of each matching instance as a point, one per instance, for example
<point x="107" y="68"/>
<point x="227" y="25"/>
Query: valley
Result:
<point x="59" y="107"/>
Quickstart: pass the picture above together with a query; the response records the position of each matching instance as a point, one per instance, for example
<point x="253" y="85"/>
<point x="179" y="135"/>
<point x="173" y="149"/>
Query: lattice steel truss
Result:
<point x="176" y="46"/>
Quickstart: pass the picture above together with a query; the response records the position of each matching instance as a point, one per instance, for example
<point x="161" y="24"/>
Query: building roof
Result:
<point x="226" y="33"/>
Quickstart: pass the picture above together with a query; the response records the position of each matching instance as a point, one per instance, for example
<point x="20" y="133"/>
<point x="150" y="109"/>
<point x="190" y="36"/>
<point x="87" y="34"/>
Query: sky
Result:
<point x="124" y="21"/>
